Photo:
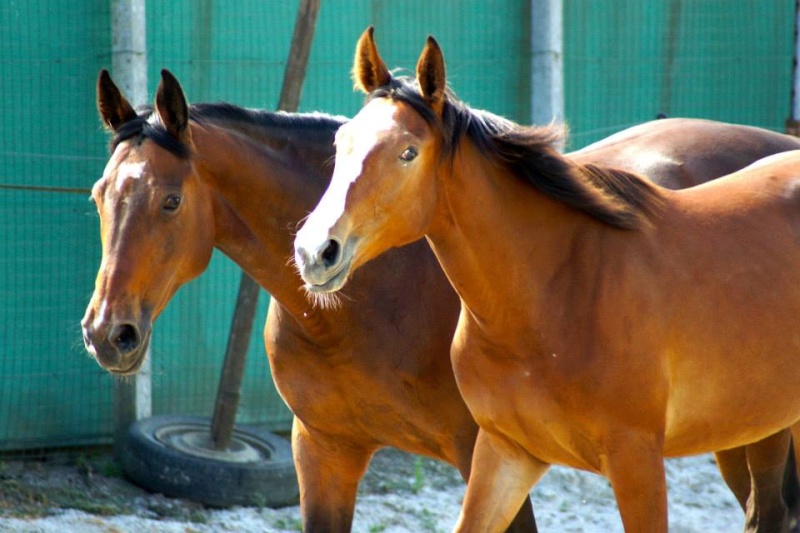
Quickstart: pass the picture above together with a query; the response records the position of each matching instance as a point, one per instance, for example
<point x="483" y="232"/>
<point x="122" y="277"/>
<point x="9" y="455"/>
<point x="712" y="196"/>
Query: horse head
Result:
<point x="156" y="222"/>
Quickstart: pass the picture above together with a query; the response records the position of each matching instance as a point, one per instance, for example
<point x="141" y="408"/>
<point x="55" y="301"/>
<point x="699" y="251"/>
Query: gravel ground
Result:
<point x="401" y="493"/>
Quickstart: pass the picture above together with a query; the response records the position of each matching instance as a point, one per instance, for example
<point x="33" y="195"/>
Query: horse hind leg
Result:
<point x="328" y="473"/>
<point x="524" y="522"/>
<point x="791" y="491"/>
<point x="767" y="511"/>
<point x="732" y="464"/>
<point x="760" y="476"/>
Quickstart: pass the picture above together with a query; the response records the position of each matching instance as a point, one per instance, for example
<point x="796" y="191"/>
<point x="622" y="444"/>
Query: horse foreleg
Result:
<point x="502" y="474"/>
<point x="328" y="473"/>
<point x="634" y="464"/>
<point x="525" y="521"/>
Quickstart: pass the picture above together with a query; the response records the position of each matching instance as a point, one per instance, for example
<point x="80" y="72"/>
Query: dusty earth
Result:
<point x="401" y="493"/>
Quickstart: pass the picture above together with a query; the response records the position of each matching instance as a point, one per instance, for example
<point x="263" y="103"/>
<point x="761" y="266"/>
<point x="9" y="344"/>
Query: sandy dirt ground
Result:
<point x="401" y="493"/>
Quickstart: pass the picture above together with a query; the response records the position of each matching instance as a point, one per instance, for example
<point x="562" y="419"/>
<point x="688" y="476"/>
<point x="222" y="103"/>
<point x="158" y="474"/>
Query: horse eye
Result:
<point x="409" y="154"/>
<point x="171" y="203"/>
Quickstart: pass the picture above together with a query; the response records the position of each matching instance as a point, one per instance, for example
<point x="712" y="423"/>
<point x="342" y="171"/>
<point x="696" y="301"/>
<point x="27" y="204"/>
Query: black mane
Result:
<point x="301" y="122"/>
<point x="145" y="126"/>
<point x="615" y="197"/>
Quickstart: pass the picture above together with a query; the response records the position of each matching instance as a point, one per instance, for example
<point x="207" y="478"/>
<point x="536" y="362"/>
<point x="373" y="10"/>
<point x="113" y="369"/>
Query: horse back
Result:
<point x="683" y="152"/>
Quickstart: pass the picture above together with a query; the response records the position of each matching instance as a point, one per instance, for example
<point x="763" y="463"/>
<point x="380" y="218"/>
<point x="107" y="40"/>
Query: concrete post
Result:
<point x="132" y="398"/>
<point x="547" y="69"/>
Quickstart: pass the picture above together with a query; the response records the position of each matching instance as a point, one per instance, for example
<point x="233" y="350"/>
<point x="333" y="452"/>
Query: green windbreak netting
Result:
<point x="51" y="393"/>
<point x="624" y="61"/>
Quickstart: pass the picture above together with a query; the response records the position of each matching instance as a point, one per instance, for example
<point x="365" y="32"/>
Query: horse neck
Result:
<point x="310" y="147"/>
<point x="260" y="195"/>
<point x="497" y="237"/>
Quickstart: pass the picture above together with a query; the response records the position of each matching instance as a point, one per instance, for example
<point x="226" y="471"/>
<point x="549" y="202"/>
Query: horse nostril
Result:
<point x="125" y="337"/>
<point x="330" y="255"/>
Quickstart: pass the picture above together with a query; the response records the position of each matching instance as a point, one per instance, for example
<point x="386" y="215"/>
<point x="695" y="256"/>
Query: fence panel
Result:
<point x="625" y="61"/>
<point x="51" y="393"/>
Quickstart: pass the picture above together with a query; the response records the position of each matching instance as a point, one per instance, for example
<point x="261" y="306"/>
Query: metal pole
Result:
<point x="228" y="394"/>
<point x="547" y="68"/>
<point x="132" y="396"/>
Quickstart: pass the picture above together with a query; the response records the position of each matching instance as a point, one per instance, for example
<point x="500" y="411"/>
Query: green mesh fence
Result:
<point x="625" y="61"/>
<point x="51" y="393"/>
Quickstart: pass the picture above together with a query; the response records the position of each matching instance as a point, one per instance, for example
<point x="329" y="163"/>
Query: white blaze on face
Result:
<point x="354" y="141"/>
<point x="129" y="171"/>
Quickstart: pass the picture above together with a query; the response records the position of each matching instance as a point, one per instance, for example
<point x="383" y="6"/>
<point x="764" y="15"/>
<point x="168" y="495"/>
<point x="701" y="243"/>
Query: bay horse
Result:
<point x="372" y="372"/>
<point x="605" y="323"/>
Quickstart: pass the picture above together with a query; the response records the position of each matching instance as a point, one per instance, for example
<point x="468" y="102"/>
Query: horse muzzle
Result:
<point x="117" y="346"/>
<point x="324" y="268"/>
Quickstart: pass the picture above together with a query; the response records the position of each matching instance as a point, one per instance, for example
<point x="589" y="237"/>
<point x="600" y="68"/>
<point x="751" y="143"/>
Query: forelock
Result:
<point x="145" y="126"/>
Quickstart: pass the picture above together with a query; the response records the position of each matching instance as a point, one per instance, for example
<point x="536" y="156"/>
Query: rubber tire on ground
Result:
<point x="210" y="478"/>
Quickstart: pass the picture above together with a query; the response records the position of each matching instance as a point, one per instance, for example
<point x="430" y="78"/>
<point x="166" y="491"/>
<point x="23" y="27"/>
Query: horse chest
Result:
<point x="361" y="395"/>
<point x="530" y="399"/>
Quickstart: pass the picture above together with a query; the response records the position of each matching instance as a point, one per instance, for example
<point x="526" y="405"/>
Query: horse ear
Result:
<point x="369" y="70"/>
<point x="171" y="106"/>
<point x="113" y="108"/>
<point x="430" y="74"/>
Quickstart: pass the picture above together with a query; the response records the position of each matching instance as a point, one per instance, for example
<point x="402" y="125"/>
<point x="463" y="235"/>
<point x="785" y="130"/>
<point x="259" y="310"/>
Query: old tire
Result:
<point x="173" y="455"/>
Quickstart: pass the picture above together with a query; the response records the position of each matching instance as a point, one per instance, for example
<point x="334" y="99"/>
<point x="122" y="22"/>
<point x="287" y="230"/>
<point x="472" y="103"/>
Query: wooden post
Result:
<point x="242" y="324"/>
